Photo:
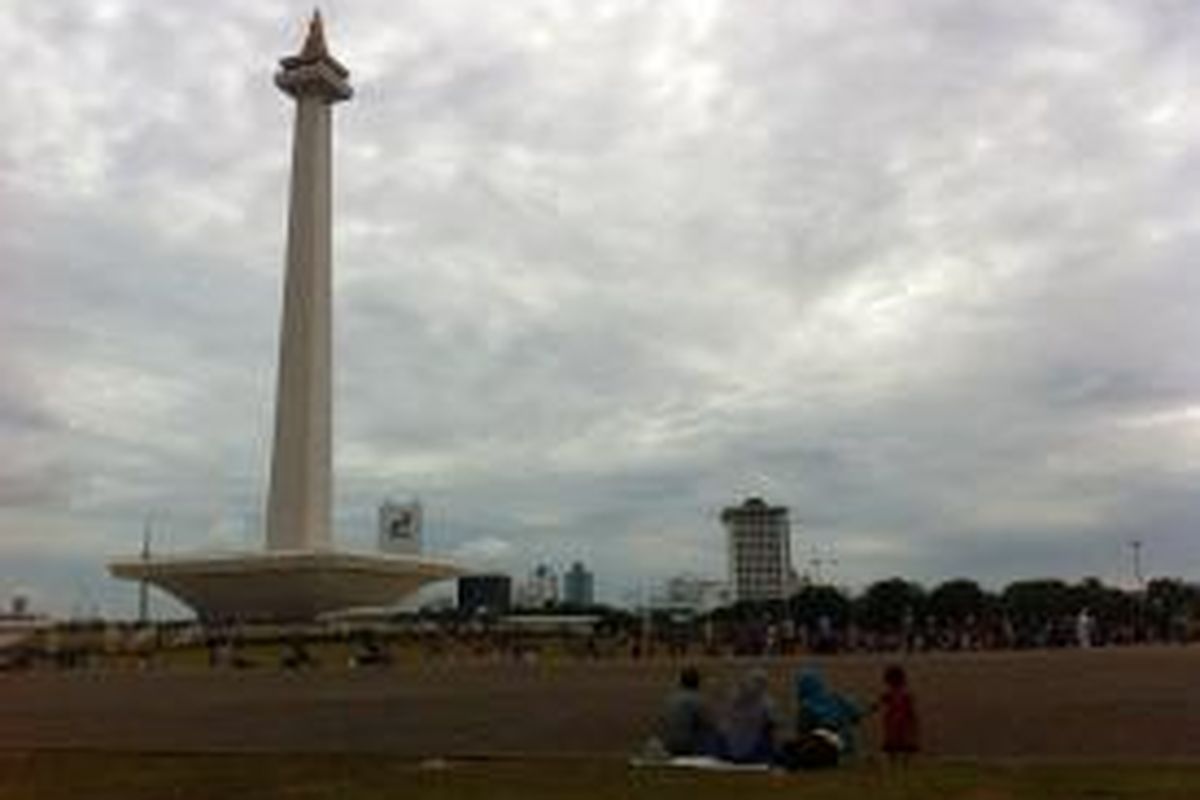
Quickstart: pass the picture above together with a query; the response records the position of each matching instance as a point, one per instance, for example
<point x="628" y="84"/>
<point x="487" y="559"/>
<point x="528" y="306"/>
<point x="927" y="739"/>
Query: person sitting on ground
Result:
<point x="369" y="653"/>
<point x="749" y="735"/>
<point x="900" y="731"/>
<point x="825" y="721"/>
<point x="296" y="656"/>
<point x="687" y="727"/>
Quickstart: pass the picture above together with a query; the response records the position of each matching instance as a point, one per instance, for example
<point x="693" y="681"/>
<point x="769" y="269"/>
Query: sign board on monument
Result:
<point x="400" y="527"/>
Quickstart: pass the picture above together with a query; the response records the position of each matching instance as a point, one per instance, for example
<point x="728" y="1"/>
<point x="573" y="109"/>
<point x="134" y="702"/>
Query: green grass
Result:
<point x="48" y="775"/>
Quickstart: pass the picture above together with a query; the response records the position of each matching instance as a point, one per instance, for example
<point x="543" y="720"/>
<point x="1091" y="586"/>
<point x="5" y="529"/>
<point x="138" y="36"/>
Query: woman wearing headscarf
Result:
<point x="750" y="725"/>
<point x="825" y="721"/>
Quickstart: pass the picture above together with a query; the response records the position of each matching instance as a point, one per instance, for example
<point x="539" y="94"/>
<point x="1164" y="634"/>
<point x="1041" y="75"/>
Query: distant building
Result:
<point x="485" y="594"/>
<point x="540" y="590"/>
<point x="695" y="593"/>
<point x="759" y="547"/>
<point x="438" y="604"/>
<point x="400" y="527"/>
<point x="578" y="586"/>
<point x="18" y="625"/>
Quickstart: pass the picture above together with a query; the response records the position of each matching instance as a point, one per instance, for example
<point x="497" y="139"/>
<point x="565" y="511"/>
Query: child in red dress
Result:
<point x="900" y="731"/>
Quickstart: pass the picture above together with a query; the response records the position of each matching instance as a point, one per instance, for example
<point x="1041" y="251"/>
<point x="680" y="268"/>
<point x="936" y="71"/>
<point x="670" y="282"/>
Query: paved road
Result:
<point x="1136" y="703"/>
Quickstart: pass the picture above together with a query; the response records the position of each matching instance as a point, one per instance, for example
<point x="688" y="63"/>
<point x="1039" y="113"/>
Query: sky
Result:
<point x="924" y="272"/>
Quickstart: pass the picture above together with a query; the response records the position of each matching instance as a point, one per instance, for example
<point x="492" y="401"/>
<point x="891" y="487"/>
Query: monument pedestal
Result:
<point x="284" y="586"/>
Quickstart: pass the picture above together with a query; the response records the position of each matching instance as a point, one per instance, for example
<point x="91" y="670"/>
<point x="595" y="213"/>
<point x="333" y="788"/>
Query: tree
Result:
<point x="1170" y="604"/>
<point x="891" y="605"/>
<point x="750" y="611"/>
<point x="956" y="601"/>
<point x="812" y="602"/>
<point x="1034" y="606"/>
<point x="1109" y="606"/>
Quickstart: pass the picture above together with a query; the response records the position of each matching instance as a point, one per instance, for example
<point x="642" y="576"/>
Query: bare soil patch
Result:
<point x="1137" y="704"/>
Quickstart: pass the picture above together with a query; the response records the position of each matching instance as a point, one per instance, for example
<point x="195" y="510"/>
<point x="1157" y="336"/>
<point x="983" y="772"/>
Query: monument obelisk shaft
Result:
<point x="302" y="575"/>
<point x="298" y="508"/>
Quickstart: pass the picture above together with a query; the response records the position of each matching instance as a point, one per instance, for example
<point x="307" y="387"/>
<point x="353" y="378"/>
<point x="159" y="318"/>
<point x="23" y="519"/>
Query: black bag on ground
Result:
<point x="818" y="749"/>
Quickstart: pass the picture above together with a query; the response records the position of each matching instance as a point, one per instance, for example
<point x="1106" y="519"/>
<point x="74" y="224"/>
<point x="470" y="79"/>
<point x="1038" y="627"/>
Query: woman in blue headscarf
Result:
<point x="821" y="712"/>
<point x="749" y="730"/>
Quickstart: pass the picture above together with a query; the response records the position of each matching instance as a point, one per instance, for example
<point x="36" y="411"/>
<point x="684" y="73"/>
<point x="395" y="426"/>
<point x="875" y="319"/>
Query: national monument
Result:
<point x="300" y="575"/>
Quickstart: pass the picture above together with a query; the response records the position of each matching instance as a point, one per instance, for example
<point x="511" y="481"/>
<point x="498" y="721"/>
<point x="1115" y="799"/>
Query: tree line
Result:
<point x="962" y="613"/>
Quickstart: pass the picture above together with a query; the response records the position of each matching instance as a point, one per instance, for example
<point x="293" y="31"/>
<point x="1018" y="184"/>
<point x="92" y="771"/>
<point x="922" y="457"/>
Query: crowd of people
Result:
<point x="766" y="632"/>
<point x="750" y="729"/>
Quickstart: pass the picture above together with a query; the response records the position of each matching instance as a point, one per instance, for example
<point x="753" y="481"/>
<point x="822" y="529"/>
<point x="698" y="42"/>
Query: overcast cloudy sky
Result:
<point x="924" y="271"/>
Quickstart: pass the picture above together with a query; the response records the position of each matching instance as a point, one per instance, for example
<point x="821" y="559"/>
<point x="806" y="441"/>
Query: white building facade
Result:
<point x="540" y="590"/>
<point x="759" y="551"/>
<point x="696" y="593"/>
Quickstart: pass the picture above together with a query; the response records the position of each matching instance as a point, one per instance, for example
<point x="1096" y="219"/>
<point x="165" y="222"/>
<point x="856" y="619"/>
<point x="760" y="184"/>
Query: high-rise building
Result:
<point x="578" y="586"/>
<point x="485" y="594"/>
<point x="759" y="541"/>
<point x="20" y="606"/>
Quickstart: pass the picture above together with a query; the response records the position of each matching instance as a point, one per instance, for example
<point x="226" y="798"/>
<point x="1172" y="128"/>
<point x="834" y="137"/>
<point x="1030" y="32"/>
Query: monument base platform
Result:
<point x="284" y="586"/>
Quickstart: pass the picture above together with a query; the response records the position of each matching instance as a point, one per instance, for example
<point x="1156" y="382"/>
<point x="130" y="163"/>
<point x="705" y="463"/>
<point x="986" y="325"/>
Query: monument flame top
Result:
<point x="313" y="71"/>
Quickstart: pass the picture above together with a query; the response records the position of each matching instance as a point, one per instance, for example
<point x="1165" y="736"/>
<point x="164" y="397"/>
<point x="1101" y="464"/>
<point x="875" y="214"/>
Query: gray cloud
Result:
<point x="922" y="272"/>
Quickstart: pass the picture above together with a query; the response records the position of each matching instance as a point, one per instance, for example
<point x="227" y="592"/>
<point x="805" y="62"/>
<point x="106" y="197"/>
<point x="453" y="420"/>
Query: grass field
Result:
<point x="997" y="726"/>
<point x="51" y="775"/>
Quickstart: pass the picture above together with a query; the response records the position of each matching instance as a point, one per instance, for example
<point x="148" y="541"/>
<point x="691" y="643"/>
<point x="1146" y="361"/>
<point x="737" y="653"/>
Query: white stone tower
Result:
<point x="298" y="509"/>
<point x="301" y="575"/>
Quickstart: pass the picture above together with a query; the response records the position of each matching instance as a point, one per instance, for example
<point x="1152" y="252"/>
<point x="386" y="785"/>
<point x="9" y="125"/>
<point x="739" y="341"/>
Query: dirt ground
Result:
<point x="69" y="775"/>
<point x="1138" y="703"/>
